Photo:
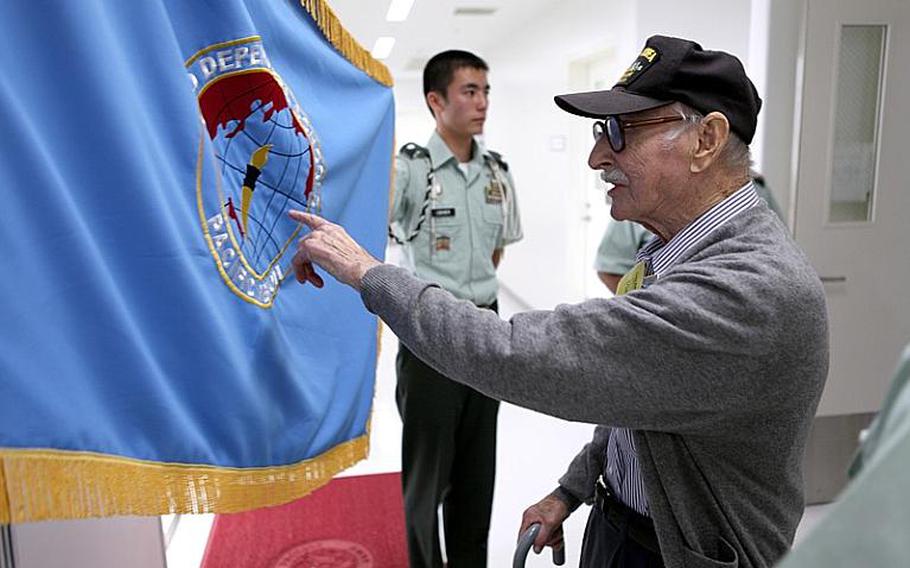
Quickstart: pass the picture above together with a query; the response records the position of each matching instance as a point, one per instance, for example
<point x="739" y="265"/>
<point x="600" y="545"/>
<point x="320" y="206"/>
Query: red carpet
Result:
<point x="353" y="522"/>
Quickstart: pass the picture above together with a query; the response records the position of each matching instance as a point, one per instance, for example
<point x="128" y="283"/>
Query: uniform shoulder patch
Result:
<point x="499" y="160"/>
<point x="413" y="151"/>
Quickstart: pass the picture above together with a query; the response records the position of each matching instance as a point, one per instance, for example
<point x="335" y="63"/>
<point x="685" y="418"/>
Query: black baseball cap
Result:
<point x="671" y="69"/>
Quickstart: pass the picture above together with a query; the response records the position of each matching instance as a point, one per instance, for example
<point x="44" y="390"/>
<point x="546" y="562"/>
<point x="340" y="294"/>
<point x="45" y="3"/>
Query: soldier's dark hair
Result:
<point x="440" y="70"/>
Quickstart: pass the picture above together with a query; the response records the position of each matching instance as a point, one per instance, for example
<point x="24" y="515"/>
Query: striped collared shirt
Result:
<point x="621" y="468"/>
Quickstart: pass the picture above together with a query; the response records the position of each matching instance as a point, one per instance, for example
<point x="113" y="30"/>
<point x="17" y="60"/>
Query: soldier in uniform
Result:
<point x="454" y="211"/>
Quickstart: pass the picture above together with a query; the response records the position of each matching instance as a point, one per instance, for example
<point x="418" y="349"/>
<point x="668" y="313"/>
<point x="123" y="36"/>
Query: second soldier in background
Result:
<point x="454" y="211"/>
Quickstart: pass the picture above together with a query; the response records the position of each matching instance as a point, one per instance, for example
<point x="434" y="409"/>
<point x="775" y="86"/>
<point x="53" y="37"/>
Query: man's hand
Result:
<point x="329" y="246"/>
<point x="550" y="512"/>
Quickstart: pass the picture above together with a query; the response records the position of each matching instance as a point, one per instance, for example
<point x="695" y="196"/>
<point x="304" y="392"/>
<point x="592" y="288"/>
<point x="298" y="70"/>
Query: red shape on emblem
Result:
<point x="236" y="97"/>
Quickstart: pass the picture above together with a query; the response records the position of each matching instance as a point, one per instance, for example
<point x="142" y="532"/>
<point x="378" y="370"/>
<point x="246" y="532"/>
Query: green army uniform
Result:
<point x="620" y="243"/>
<point x="453" y="245"/>
<point x="623" y="239"/>
<point x="449" y="223"/>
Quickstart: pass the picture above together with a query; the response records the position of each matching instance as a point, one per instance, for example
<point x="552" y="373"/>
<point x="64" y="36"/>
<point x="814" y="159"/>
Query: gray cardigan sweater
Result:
<point x="718" y="368"/>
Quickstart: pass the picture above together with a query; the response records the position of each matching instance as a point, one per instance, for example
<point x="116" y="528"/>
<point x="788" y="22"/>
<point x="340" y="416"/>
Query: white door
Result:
<point x="853" y="189"/>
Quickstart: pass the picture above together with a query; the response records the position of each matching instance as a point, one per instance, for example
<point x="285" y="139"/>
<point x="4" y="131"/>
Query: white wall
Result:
<point x="715" y="24"/>
<point x="413" y="121"/>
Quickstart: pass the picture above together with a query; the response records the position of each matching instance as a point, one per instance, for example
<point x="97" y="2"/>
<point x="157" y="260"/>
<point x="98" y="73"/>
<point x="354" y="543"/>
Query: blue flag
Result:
<point x="156" y="355"/>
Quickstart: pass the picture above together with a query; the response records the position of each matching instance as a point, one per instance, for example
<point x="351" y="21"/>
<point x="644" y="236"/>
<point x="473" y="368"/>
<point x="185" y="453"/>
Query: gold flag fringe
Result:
<point x="4" y="500"/>
<point x="37" y="485"/>
<point x="344" y="42"/>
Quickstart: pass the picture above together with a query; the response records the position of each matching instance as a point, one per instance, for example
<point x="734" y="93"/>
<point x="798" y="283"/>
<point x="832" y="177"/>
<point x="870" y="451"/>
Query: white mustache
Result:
<point x="614" y="176"/>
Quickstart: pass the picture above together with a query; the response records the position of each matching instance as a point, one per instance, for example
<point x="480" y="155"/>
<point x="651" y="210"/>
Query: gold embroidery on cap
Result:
<point x="647" y="57"/>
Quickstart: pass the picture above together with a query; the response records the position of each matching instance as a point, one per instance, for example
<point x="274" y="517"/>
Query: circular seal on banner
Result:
<point x="326" y="554"/>
<point x="265" y="160"/>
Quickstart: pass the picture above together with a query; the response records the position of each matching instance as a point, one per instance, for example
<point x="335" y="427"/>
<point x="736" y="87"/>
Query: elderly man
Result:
<point x="704" y="374"/>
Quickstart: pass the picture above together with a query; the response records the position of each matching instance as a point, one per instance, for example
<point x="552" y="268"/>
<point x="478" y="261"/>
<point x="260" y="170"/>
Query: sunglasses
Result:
<point x="614" y="128"/>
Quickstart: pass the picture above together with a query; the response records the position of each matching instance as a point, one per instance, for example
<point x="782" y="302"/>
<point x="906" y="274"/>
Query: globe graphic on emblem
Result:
<point x="268" y="159"/>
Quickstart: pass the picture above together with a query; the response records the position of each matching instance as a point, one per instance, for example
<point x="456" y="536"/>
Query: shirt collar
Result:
<point x="440" y="152"/>
<point x="662" y="256"/>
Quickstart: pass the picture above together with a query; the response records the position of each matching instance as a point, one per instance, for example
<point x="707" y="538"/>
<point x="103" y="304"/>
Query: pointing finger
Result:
<point x="308" y="219"/>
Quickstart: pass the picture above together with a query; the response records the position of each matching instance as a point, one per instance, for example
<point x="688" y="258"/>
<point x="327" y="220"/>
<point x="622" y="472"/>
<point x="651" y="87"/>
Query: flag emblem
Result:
<point x="266" y="159"/>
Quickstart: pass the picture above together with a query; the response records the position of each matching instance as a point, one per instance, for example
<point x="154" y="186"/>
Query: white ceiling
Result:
<point x="433" y="26"/>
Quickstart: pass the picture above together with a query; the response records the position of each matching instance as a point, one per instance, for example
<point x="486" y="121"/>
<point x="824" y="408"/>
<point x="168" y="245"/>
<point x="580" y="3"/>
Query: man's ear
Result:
<point x="436" y="101"/>
<point x="713" y="133"/>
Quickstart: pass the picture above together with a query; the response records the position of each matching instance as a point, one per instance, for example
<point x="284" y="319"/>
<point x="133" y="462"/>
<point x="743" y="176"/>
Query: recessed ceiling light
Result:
<point x="475" y="11"/>
<point x="399" y="10"/>
<point x="383" y="47"/>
